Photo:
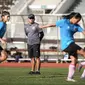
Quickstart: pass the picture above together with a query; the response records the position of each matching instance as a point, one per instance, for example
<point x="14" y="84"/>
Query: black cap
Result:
<point x="31" y="16"/>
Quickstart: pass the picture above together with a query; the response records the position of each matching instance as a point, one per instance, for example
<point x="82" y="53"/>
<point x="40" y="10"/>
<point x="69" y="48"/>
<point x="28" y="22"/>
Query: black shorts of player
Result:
<point x="1" y="49"/>
<point x="34" y="50"/>
<point x="72" y="49"/>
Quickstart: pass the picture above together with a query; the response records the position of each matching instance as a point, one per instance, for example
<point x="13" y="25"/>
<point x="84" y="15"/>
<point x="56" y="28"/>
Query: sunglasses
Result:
<point x="31" y="17"/>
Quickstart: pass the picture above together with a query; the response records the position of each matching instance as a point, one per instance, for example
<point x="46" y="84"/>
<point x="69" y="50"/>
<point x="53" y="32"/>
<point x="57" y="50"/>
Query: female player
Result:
<point x="4" y="18"/>
<point x="68" y="27"/>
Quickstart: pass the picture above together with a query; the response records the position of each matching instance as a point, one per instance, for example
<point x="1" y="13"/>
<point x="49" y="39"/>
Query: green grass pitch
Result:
<point x="49" y="76"/>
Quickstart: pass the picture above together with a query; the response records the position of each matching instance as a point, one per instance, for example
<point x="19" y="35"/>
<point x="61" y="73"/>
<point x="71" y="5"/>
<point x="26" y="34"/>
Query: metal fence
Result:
<point x="17" y="38"/>
<point x="15" y="29"/>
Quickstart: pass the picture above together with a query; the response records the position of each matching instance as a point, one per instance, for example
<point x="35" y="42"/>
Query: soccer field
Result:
<point x="49" y="76"/>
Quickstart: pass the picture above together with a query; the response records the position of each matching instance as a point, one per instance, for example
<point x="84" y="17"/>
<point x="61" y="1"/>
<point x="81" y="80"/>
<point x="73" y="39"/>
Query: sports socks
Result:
<point x="71" y="71"/>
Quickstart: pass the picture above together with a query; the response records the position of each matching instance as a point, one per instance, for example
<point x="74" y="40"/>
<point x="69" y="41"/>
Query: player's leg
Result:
<point x="33" y="64"/>
<point x="72" y="68"/>
<point x="3" y="56"/>
<point x="81" y="64"/>
<point x="37" y="55"/>
<point x="82" y="52"/>
<point x="83" y="75"/>
<point x="72" y="51"/>
<point x="38" y="63"/>
<point x="30" y="54"/>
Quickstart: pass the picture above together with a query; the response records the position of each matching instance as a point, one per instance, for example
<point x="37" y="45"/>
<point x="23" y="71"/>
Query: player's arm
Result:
<point x="58" y="23"/>
<point x="26" y="32"/>
<point x="25" y="27"/>
<point x="46" y="26"/>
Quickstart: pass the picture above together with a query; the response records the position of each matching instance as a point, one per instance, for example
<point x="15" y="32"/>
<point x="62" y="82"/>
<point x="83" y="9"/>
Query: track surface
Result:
<point x="43" y="65"/>
<point x="27" y="65"/>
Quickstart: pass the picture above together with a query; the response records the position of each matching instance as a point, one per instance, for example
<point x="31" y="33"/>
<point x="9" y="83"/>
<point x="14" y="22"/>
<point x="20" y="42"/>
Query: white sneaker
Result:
<point x="68" y="79"/>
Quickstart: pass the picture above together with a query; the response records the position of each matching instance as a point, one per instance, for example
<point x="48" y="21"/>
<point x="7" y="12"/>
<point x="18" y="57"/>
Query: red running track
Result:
<point x="27" y="65"/>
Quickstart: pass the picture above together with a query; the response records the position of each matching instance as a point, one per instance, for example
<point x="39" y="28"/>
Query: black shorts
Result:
<point x="72" y="49"/>
<point x="1" y="49"/>
<point x="34" y="50"/>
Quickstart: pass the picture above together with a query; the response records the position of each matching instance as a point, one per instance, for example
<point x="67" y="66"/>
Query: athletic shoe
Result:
<point x="79" y="67"/>
<point x="37" y="72"/>
<point x="31" y="72"/>
<point x="68" y="79"/>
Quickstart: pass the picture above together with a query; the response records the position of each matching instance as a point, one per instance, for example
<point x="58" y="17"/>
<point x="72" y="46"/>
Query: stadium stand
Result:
<point x="78" y="6"/>
<point x="45" y="13"/>
<point x="5" y="4"/>
<point x="21" y="6"/>
<point x="42" y="7"/>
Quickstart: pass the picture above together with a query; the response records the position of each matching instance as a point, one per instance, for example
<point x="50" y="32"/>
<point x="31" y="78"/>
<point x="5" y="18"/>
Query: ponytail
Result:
<point x="73" y="14"/>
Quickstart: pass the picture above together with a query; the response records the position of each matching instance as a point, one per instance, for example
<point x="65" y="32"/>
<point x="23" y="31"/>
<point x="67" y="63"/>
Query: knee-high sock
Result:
<point x="83" y="74"/>
<point x="82" y="63"/>
<point x="71" y="71"/>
